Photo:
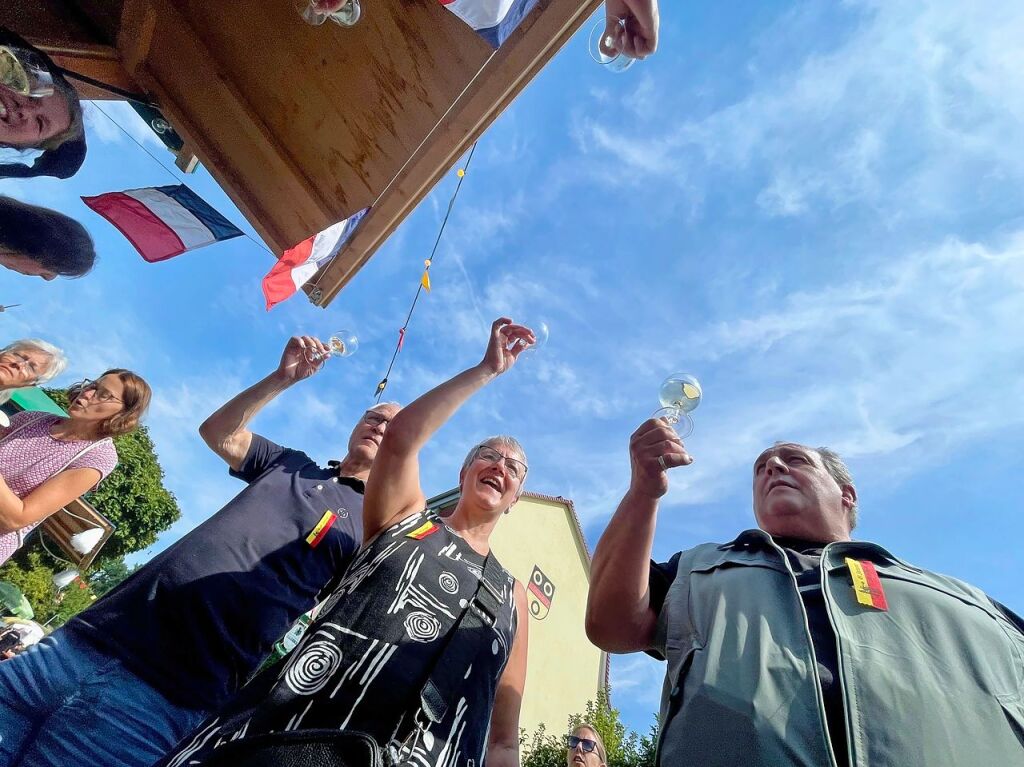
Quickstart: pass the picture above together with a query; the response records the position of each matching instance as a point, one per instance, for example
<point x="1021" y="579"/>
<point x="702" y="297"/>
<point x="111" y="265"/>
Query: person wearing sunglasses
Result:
<point x="46" y="460"/>
<point x="422" y="647"/>
<point x="585" y="748"/>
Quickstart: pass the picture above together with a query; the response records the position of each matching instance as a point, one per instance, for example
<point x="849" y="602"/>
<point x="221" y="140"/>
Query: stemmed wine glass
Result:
<point x="603" y="49"/>
<point x="346" y="16"/>
<point x="342" y="344"/>
<point x="680" y="395"/>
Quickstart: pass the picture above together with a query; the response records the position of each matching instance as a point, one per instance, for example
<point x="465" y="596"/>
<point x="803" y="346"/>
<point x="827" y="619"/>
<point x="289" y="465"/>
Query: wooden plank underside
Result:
<point x="500" y="80"/>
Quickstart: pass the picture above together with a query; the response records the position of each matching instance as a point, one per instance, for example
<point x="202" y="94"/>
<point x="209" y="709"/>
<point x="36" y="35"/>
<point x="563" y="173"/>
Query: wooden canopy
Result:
<point x="303" y="126"/>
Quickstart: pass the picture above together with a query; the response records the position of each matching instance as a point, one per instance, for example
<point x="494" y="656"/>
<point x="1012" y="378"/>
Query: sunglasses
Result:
<point x="588" y="745"/>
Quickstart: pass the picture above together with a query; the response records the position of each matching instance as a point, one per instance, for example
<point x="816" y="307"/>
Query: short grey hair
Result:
<point x="379" y="405"/>
<point x="840" y="472"/>
<point x="500" y="439"/>
<point x="55" y="365"/>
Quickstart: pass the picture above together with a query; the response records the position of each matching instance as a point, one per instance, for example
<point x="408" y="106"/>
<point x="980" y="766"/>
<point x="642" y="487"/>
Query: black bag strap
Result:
<point x="465" y="641"/>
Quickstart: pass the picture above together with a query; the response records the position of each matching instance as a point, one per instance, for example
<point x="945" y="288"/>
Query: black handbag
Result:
<point x="335" y="748"/>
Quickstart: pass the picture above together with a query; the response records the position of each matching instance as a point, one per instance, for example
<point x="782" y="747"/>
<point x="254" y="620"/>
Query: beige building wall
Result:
<point x="565" y="670"/>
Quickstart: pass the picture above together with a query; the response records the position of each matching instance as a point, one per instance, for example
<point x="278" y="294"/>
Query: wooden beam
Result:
<point x="159" y="46"/>
<point x="548" y="27"/>
<point x="100" y="62"/>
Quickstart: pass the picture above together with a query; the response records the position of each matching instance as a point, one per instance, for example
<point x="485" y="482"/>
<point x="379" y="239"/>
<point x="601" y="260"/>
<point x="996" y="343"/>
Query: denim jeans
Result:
<point x="64" y="703"/>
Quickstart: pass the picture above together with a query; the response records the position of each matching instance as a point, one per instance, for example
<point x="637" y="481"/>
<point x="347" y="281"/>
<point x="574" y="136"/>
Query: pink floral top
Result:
<point x="31" y="456"/>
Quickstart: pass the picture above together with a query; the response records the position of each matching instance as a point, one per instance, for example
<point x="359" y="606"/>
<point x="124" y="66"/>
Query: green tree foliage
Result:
<point x="625" y="748"/>
<point x="133" y="497"/>
<point x="107" y="573"/>
<point x="35" y="579"/>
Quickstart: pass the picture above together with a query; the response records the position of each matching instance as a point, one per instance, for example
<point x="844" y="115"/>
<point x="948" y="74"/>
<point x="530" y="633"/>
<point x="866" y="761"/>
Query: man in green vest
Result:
<point x="794" y="645"/>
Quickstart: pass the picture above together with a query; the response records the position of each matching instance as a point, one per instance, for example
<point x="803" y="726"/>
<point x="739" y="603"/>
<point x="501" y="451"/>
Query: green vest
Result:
<point x="937" y="680"/>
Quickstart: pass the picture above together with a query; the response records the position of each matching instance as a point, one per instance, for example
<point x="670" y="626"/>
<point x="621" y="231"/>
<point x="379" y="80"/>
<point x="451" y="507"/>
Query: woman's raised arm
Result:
<point x="393" y="488"/>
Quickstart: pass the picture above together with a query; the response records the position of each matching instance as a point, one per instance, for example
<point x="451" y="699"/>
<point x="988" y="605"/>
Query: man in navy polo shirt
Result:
<point x="125" y="680"/>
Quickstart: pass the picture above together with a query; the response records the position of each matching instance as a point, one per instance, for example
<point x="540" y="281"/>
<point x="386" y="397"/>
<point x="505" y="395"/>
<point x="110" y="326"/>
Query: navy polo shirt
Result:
<point x="199" y="618"/>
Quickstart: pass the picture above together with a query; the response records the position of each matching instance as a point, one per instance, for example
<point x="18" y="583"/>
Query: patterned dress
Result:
<point x="29" y="456"/>
<point x="362" y="665"/>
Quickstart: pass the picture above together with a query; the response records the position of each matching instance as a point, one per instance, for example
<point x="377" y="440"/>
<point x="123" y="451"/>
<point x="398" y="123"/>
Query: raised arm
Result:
<point x="225" y="431"/>
<point x="393" y="489"/>
<point x="619" y="614"/>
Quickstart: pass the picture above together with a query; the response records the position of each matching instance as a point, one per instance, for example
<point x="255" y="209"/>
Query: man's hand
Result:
<point x="295" y="362"/>
<point x="653" y="449"/>
<point x="506" y="343"/>
<point x="639" y="38"/>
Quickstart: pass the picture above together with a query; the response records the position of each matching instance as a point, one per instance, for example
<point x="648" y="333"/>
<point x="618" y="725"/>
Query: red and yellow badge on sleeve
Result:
<point x="866" y="584"/>
<point x="322" y="527"/>
<point x="421" y="532"/>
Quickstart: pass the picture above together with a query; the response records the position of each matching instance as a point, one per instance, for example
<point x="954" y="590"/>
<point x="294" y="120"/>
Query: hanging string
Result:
<point x="167" y="170"/>
<point x="425" y="282"/>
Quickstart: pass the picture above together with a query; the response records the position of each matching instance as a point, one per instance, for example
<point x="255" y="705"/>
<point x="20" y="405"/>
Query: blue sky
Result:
<point x="816" y="208"/>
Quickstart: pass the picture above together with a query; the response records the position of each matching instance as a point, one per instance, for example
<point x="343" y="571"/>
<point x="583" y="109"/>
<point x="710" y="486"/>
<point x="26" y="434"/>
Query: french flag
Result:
<point x="493" y="20"/>
<point x="163" y="221"/>
<point x="298" y="264"/>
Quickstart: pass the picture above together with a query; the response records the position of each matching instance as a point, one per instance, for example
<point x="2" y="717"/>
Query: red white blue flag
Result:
<point x="297" y="265"/>
<point x="163" y="221"/>
<point x="493" y="20"/>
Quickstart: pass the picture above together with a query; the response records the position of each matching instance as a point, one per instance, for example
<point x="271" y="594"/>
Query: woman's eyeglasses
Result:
<point x="102" y="395"/>
<point x="588" y="745"/>
<point x="516" y="469"/>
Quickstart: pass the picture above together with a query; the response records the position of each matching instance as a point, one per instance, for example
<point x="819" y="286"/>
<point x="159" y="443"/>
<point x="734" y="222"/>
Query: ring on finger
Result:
<point x="661" y="462"/>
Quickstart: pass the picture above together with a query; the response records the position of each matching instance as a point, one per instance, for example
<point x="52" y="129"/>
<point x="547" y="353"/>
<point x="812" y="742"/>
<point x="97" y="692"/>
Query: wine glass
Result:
<point x="680" y="395"/>
<point x="602" y="47"/>
<point x="346" y="16"/>
<point x="540" y="331"/>
<point x="342" y="344"/>
<point x="25" y="72"/>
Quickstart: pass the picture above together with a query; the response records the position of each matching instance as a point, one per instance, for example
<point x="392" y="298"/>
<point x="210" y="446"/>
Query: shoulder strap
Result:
<point x="464" y="643"/>
<point x="29" y="421"/>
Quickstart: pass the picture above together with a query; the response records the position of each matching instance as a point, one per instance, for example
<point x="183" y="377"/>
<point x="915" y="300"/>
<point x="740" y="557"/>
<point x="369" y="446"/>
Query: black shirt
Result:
<point x="198" y="619"/>
<point x="805" y="559"/>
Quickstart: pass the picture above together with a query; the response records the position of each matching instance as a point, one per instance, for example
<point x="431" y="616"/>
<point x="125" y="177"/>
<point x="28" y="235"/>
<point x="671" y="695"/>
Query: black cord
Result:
<point x="138" y="98"/>
<point x="401" y="333"/>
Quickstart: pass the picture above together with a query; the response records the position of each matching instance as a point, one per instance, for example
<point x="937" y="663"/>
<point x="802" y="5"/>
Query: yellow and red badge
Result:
<point x="421" y="532"/>
<point x="321" y="529"/>
<point x="866" y="584"/>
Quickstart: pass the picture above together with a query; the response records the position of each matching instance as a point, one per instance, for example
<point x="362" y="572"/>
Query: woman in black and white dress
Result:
<point x="363" y="664"/>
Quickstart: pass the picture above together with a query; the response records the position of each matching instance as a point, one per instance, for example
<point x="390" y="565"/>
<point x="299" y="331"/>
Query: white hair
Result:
<point x="56" y="361"/>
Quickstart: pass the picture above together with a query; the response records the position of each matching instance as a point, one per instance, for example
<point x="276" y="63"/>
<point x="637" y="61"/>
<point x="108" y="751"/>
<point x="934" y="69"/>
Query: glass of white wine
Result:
<point x="680" y="395"/>
<point x="342" y="344"/>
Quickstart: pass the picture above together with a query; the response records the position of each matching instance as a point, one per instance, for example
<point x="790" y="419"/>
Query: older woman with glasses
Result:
<point x="47" y="460"/>
<point x="584" y="748"/>
<point x="28" y="362"/>
<point x="420" y="653"/>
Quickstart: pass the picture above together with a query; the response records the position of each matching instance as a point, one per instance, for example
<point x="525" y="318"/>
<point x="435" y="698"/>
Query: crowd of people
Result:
<point x="793" y="645"/>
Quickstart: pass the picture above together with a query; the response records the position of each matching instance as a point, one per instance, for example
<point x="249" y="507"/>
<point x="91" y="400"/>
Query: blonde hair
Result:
<point x="601" y="753"/>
